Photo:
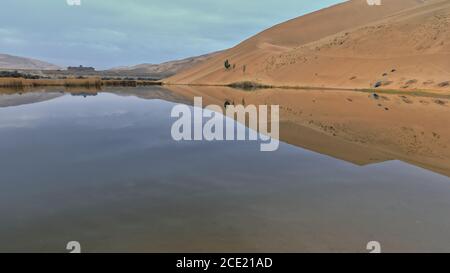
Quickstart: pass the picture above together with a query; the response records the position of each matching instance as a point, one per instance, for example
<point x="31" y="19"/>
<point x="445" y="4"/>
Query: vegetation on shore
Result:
<point x="248" y="85"/>
<point x="91" y="82"/>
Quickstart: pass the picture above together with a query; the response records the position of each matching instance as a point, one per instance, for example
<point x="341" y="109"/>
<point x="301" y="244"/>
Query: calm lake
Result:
<point x="101" y="168"/>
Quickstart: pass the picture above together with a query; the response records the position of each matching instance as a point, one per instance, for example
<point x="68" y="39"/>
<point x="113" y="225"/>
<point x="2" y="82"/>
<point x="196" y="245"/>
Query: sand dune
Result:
<point x="14" y="62"/>
<point x="402" y="44"/>
<point x="163" y="70"/>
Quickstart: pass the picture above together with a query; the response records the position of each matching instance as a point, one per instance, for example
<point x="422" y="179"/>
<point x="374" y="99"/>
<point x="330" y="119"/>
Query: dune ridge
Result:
<point x="162" y="70"/>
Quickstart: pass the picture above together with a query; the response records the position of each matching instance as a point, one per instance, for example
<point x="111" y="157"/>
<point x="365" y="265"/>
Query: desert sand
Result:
<point x="402" y="45"/>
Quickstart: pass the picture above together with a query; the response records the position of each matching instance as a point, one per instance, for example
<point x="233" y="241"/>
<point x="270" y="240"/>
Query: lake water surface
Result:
<point x="103" y="170"/>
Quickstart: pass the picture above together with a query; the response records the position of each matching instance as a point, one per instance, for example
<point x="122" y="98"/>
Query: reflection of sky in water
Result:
<point x="104" y="170"/>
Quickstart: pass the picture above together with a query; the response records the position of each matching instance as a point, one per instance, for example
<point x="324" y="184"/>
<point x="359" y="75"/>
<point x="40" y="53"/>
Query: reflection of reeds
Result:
<point x="130" y="83"/>
<point x="86" y="83"/>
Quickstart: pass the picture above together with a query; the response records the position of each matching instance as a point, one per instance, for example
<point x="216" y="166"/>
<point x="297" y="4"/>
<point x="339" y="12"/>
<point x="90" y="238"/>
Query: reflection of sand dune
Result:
<point x="353" y="126"/>
<point x="149" y="93"/>
<point x="314" y="140"/>
<point x="357" y="127"/>
<point x="16" y="99"/>
<point x="402" y="44"/>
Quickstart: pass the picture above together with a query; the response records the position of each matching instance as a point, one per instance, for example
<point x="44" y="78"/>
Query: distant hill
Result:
<point x="401" y="44"/>
<point x="163" y="70"/>
<point x="15" y="62"/>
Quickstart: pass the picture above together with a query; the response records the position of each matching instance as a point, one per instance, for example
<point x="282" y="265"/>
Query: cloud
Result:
<point x="10" y="37"/>
<point x="5" y="31"/>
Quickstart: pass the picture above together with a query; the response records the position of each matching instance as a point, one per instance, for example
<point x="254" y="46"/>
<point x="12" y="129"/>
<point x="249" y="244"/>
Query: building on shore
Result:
<point x="80" y="69"/>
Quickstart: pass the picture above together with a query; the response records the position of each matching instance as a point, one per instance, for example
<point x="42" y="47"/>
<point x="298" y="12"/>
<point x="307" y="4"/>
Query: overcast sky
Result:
<point x="108" y="33"/>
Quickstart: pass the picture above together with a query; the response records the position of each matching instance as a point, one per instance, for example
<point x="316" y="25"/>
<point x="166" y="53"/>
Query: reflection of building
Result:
<point x="80" y="69"/>
<point x="84" y="94"/>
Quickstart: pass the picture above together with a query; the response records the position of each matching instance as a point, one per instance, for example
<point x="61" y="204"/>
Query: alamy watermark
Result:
<point x="374" y="247"/>
<point x="190" y="124"/>
<point x="374" y="2"/>
<point x="73" y="2"/>
<point x="73" y="247"/>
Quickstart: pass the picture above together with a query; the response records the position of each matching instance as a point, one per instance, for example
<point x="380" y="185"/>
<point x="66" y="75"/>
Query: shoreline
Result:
<point x="98" y="83"/>
<point x="88" y="82"/>
<point x="257" y="86"/>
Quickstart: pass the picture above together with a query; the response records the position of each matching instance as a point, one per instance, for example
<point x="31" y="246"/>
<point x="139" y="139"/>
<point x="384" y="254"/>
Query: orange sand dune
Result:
<point x="402" y="44"/>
